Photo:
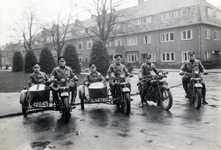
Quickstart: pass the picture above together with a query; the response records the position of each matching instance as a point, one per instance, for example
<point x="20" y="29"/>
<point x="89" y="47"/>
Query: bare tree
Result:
<point x="59" y="28"/>
<point x="26" y="25"/>
<point x="106" y="21"/>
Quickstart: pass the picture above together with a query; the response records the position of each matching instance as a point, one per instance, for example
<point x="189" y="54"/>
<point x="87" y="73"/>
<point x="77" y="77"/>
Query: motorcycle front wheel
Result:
<point x="126" y="103"/>
<point x="198" y="98"/>
<point x="66" y="109"/>
<point x="167" y="99"/>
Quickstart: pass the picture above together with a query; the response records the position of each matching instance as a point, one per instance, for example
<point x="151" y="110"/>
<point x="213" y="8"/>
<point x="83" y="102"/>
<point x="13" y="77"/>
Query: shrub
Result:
<point x="100" y="57"/>
<point x="46" y="60"/>
<point x="72" y="60"/>
<point x="17" y="62"/>
<point x="29" y="59"/>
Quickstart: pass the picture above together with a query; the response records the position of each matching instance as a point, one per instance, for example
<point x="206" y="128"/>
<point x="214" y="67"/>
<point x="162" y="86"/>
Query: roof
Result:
<point x="152" y="7"/>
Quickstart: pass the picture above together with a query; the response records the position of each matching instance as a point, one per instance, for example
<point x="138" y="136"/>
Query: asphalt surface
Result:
<point x="102" y="127"/>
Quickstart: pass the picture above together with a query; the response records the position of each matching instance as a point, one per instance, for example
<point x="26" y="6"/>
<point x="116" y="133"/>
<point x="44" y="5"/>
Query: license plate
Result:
<point x="126" y="90"/>
<point x="64" y="94"/>
<point x="100" y="100"/>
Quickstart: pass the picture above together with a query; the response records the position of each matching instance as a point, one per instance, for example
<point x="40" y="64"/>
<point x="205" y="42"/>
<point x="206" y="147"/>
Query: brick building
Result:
<point x="166" y="29"/>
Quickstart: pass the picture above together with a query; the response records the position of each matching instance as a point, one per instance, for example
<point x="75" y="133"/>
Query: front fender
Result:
<point x="23" y="97"/>
<point x="198" y="85"/>
<point x="81" y="91"/>
<point x="125" y="90"/>
<point x="164" y="87"/>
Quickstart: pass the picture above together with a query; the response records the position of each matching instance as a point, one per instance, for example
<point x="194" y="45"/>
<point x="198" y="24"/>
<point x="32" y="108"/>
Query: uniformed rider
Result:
<point x="145" y="70"/>
<point x="117" y="68"/>
<point x="93" y="76"/>
<point x="188" y="66"/>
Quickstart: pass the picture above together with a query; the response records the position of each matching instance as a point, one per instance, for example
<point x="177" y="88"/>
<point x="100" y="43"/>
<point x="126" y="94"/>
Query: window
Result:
<point x="89" y="44"/>
<point x="145" y="20"/>
<point x="108" y="44"/>
<point x="118" y="42"/>
<point x="80" y="46"/>
<point x="147" y="39"/>
<point x="80" y="58"/>
<point x="85" y="59"/>
<point x="131" y="41"/>
<point x="153" y="57"/>
<point x="132" y="57"/>
<point x="184" y="56"/>
<point x="216" y="35"/>
<point x="210" y="11"/>
<point x="207" y="55"/>
<point x="186" y="35"/>
<point x="167" y="57"/>
<point x="184" y="11"/>
<point x="167" y="37"/>
<point x="219" y="14"/>
<point x="207" y="33"/>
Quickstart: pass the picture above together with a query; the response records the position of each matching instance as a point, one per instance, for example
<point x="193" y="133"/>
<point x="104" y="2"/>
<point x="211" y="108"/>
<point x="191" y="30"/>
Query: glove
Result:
<point x="107" y="78"/>
<point x="75" y="78"/>
<point x="181" y="73"/>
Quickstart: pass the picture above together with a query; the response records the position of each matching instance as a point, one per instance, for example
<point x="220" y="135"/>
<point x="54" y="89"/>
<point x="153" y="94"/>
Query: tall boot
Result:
<point x="73" y="95"/>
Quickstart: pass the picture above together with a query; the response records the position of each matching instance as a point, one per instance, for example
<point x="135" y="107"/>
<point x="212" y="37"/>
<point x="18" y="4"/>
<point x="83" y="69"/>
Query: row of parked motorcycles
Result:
<point x="38" y="96"/>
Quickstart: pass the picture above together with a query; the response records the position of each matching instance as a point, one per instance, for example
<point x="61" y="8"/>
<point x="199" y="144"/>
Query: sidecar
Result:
<point x="37" y="96"/>
<point x="96" y="93"/>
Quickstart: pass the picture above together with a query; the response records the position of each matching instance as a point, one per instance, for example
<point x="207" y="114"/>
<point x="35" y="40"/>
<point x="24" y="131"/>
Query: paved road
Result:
<point x="101" y="127"/>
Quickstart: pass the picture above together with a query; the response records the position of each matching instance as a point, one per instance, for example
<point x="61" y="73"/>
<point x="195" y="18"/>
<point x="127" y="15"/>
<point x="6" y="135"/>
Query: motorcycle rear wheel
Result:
<point x="126" y="104"/>
<point x="66" y="109"/>
<point x="167" y="101"/>
<point x="198" y="98"/>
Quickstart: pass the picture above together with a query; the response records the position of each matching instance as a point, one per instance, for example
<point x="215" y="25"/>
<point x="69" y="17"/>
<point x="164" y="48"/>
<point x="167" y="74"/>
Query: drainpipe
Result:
<point x="157" y="46"/>
<point x="199" y="29"/>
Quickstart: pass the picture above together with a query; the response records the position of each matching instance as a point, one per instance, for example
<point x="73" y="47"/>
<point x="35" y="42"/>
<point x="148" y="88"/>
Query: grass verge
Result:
<point x="15" y="81"/>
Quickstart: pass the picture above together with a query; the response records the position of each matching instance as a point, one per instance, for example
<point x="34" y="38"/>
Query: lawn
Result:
<point x="14" y="82"/>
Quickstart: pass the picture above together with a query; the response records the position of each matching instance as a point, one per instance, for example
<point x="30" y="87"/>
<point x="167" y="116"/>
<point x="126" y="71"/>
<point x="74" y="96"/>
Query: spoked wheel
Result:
<point x="198" y="98"/>
<point x="126" y="103"/>
<point x="24" y="110"/>
<point x="167" y="100"/>
<point x="66" y="109"/>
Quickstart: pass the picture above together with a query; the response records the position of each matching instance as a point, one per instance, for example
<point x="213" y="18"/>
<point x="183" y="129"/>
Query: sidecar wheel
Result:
<point x="66" y="110"/>
<point x="126" y="103"/>
<point x="24" y="110"/>
<point x="167" y="100"/>
<point x="198" y="98"/>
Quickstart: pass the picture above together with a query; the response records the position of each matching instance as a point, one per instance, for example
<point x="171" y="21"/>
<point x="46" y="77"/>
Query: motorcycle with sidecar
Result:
<point x="38" y="97"/>
<point x="100" y="93"/>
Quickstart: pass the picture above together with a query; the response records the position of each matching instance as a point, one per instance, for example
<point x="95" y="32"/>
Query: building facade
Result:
<point x="167" y="30"/>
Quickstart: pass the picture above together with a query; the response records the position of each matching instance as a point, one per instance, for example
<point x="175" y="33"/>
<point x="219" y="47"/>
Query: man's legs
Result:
<point x="204" y="93"/>
<point x="185" y="82"/>
<point x="73" y="93"/>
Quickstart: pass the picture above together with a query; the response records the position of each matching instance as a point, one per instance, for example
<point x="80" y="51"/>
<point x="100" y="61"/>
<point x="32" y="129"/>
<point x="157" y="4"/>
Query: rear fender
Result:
<point x="23" y="97"/>
<point x="81" y="91"/>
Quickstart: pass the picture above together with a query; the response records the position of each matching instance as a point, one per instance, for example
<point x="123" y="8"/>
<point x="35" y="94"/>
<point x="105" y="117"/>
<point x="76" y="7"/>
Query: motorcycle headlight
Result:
<point x="196" y="72"/>
<point x="122" y="75"/>
<point x="63" y="80"/>
<point x="112" y="74"/>
<point x="160" y="73"/>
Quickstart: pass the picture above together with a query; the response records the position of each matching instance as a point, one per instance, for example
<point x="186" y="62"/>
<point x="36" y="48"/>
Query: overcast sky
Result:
<point x="9" y="8"/>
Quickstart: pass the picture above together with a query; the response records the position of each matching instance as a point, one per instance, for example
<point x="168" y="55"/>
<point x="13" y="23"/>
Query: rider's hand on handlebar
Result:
<point x="181" y="73"/>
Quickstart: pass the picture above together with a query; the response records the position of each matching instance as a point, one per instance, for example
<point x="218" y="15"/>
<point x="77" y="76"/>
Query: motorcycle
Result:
<point x="63" y="88"/>
<point x="195" y="87"/>
<point x="122" y="92"/>
<point x="158" y="90"/>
